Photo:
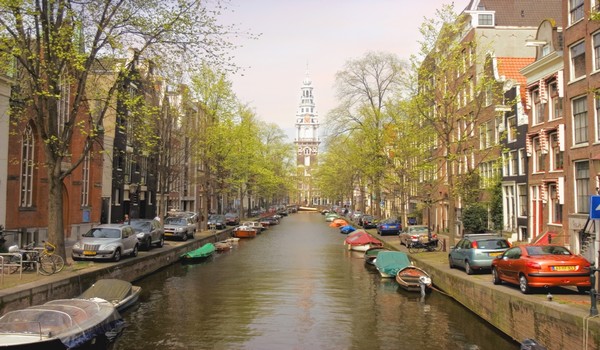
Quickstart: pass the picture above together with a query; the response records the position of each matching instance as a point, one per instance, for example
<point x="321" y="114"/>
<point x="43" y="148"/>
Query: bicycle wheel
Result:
<point x="413" y="248"/>
<point x="59" y="262"/>
<point x="47" y="265"/>
<point x="439" y="245"/>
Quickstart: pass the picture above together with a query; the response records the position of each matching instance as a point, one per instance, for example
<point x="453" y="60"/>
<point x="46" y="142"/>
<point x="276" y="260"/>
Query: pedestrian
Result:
<point x="126" y="220"/>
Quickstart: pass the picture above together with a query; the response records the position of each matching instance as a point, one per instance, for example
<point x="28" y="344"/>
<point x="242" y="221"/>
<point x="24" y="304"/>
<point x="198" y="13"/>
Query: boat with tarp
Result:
<point x="199" y="254"/>
<point x="120" y="293"/>
<point x="389" y="263"/>
<point x="371" y="254"/>
<point x="361" y="240"/>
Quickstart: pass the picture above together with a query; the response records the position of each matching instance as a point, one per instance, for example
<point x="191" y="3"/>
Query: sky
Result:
<point x="318" y="37"/>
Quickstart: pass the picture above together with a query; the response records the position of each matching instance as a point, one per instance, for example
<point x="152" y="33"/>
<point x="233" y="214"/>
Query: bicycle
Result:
<point x="41" y="259"/>
<point x="430" y="245"/>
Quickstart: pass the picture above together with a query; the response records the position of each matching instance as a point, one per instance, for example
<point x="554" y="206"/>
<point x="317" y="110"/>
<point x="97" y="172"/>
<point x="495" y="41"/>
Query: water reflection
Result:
<point x="295" y="287"/>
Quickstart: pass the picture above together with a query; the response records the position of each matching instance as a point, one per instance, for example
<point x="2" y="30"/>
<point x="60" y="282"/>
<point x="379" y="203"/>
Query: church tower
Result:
<point x="307" y="144"/>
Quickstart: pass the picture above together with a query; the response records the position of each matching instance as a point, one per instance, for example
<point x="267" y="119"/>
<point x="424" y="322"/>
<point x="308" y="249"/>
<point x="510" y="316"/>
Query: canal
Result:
<point x="295" y="286"/>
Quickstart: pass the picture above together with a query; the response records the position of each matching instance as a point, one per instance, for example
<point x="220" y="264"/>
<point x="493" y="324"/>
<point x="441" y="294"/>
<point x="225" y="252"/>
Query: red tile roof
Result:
<point x="510" y="68"/>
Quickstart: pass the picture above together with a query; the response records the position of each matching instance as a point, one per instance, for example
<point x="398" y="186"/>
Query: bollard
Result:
<point x="593" y="307"/>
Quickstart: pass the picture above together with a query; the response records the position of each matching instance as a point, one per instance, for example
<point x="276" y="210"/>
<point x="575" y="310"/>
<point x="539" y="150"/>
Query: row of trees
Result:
<point x="408" y="133"/>
<point x="52" y="48"/>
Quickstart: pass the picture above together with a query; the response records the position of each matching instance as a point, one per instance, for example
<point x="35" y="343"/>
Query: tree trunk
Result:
<point x="55" y="210"/>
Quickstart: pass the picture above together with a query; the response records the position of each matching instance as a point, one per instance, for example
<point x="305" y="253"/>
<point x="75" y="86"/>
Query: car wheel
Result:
<point x="468" y="268"/>
<point x="495" y="277"/>
<point x="184" y="237"/>
<point x="524" y="285"/>
<point x="75" y="259"/>
<point x="161" y="242"/>
<point x="117" y="255"/>
<point x="583" y="290"/>
<point x="134" y="253"/>
<point x="148" y="244"/>
<point x="450" y="264"/>
<point x="191" y="236"/>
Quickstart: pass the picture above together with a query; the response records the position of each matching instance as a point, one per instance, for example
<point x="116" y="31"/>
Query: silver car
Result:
<point x="106" y="242"/>
<point x="149" y="232"/>
<point x="179" y="227"/>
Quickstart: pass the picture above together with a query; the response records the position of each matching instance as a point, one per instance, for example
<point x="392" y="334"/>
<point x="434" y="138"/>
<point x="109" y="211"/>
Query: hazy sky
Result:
<point x="320" y="34"/>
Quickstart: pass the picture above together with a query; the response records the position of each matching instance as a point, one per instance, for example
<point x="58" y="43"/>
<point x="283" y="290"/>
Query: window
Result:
<point x="537" y="112"/>
<point x="85" y="181"/>
<point x="597" y="99"/>
<point x="596" y="39"/>
<point x="522" y="161"/>
<point x="555" y="102"/>
<point x="577" y="60"/>
<point x="538" y="156"/>
<point x="580" y="120"/>
<point x="487" y="19"/>
<point x="556" y="208"/>
<point x="514" y="163"/>
<point x="522" y="188"/>
<point x="582" y="183"/>
<point x="27" y="166"/>
<point x="512" y="128"/>
<point x="575" y="10"/>
<point x="556" y="155"/>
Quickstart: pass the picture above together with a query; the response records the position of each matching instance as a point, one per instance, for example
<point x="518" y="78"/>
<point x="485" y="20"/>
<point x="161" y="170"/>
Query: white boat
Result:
<point x="255" y="225"/>
<point x="61" y="324"/>
<point x="120" y="293"/>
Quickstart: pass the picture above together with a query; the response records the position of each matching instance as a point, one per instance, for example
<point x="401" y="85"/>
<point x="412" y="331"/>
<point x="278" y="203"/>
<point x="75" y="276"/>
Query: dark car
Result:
<point x="149" y="232"/>
<point x="232" y="219"/>
<point x="217" y="221"/>
<point x="390" y="226"/>
<point x="476" y="251"/>
<point x="367" y="221"/>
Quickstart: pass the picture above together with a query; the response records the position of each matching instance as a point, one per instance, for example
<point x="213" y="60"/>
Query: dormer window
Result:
<point x="545" y="50"/>
<point x="485" y="20"/>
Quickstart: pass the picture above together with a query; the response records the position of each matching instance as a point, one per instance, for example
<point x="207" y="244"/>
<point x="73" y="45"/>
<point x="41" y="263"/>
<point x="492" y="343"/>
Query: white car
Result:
<point x="106" y="242"/>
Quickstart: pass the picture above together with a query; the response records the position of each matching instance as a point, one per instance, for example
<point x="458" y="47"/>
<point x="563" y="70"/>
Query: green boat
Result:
<point x="389" y="263"/>
<point x="199" y="254"/>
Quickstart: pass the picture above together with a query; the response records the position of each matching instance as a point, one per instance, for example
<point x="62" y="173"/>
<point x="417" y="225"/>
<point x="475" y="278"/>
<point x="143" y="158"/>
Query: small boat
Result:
<point x="338" y="223"/>
<point x="347" y="229"/>
<point x="199" y="254"/>
<point x="223" y="246"/>
<point x="233" y="240"/>
<point x="413" y="279"/>
<point x="120" y="293"/>
<point x="61" y="324"/>
<point x="389" y="263"/>
<point x="244" y="232"/>
<point x="361" y="240"/>
<point x="371" y="254"/>
<point x="255" y="225"/>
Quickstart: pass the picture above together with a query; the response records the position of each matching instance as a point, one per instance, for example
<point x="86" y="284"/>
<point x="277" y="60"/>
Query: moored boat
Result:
<point x="389" y="263"/>
<point x="120" y="293"/>
<point x="371" y="254"/>
<point x="244" y="232"/>
<point x="347" y="229"/>
<point x="223" y="246"/>
<point x="61" y="324"/>
<point x="255" y="225"/>
<point x="199" y="254"/>
<point x="361" y="240"/>
<point x="413" y="278"/>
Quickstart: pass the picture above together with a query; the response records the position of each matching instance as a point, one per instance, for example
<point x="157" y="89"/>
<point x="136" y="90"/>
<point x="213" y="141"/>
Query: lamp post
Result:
<point x="593" y="307"/>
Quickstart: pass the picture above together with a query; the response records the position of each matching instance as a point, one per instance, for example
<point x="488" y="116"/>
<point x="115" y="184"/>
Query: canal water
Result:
<point x="295" y="286"/>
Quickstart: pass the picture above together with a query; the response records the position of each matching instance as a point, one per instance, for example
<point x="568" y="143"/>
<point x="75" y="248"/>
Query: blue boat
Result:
<point x="389" y="263"/>
<point x="347" y="229"/>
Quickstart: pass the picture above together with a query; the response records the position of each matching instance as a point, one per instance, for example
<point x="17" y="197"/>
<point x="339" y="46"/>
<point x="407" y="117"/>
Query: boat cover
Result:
<point x="108" y="289"/>
<point x="338" y="223"/>
<point x="361" y="237"/>
<point x="391" y="262"/>
<point x="202" y="252"/>
<point x="347" y="229"/>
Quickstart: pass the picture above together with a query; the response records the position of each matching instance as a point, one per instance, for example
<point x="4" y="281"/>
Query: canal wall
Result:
<point x="69" y="284"/>
<point x="556" y="326"/>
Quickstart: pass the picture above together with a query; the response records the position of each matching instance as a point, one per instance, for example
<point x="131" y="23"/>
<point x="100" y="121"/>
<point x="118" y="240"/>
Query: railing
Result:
<point x="10" y="263"/>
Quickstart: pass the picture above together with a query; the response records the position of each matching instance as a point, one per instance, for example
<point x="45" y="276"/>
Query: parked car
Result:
<point x="186" y="214"/>
<point x="218" y="221"/>
<point x="414" y="234"/>
<point x="532" y="266"/>
<point x="232" y="219"/>
<point x="476" y="252"/>
<point x="390" y="226"/>
<point x="355" y="216"/>
<point x="367" y="221"/>
<point x="149" y="232"/>
<point x="179" y="227"/>
<point x="106" y="242"/>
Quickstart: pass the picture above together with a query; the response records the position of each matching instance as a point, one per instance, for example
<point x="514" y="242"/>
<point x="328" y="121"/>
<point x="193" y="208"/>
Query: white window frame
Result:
<point x="580" y="45"/>
<point x="27" y="167"/>
<point x="85" y="181"/>
<point x="576" y="10"/>
<point x="580" y="133"/>
<point x="582" y="184"/>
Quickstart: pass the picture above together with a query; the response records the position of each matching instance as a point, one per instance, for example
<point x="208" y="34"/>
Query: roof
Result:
<point x="510" y="68"/>
<point x="519" y="13"/>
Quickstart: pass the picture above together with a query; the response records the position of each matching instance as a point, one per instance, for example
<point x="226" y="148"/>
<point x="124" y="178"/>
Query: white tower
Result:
<point x="307" y="143"/>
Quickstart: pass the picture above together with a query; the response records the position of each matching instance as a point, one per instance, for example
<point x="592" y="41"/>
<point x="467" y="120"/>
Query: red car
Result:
<point x="532" y="266"/>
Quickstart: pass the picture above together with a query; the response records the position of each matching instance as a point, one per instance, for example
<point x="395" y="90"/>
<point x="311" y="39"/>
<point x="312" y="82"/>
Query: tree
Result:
<point x="364" y="87"/>
<point x="58" y="43"/>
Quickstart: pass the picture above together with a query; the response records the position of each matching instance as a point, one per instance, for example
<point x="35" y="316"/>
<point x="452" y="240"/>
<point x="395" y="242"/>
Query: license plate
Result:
<point x="564" y="268"/>
<point x="495" y="254"/>
<point x="168" y="234"/>
<point x="89" y="252"/>
<point x="392" y="226"/>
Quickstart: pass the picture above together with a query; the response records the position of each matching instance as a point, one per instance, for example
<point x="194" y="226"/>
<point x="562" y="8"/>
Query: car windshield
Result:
<point x="175" y="221"/>
<point x="141" y="225"/>
<point x="492" y="244"/>
<point x="103" y="233"/>
<point x="547" y="250"/>
<point x="418" y="229"/>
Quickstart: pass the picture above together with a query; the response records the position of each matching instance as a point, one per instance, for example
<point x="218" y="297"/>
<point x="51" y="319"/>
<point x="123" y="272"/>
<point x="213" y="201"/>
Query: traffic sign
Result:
<point x="594" y="207"/>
